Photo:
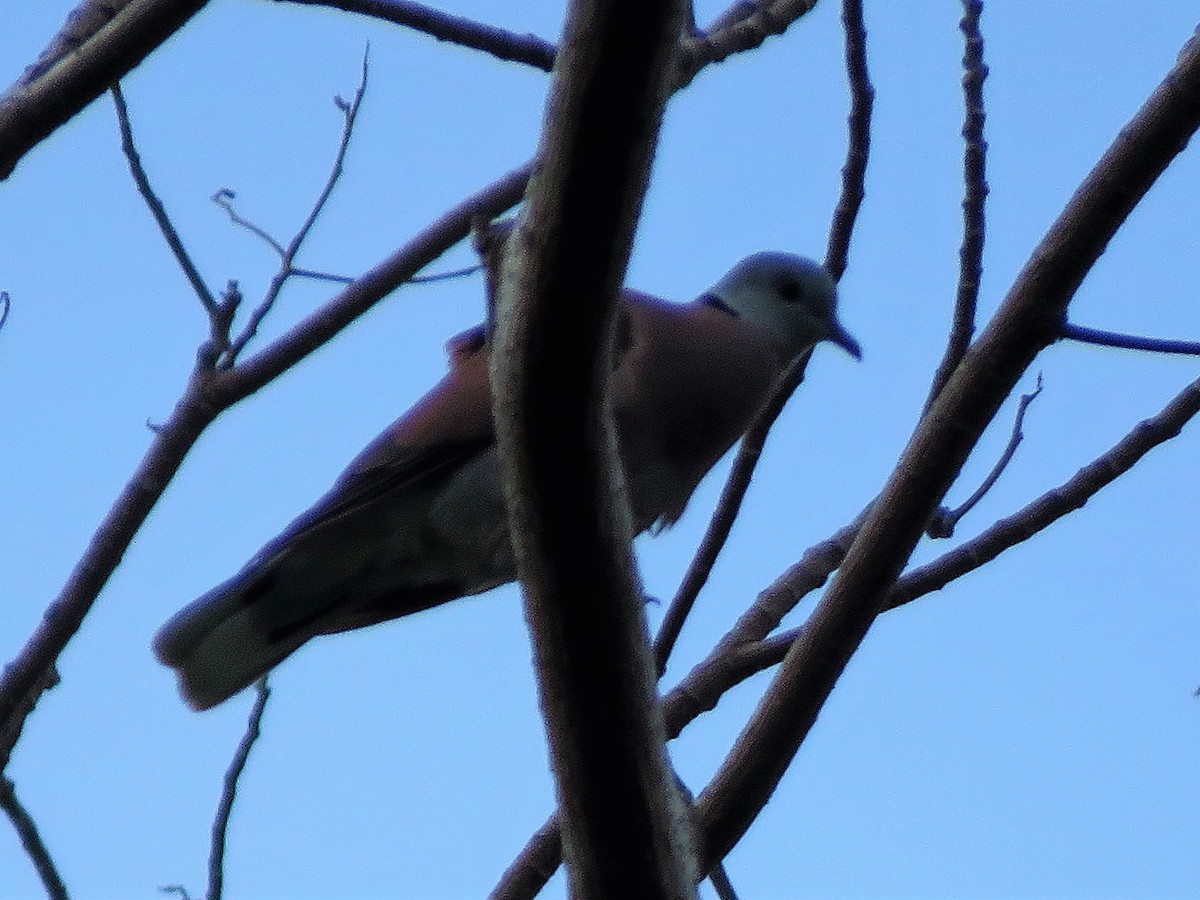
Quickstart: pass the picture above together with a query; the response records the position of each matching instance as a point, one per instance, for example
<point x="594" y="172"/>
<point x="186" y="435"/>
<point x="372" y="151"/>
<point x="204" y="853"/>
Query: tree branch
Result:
<point x="216" y="858"/>
<point x="158" y="211"/>
<point x="944" y="521"/>
<point x="72" y="73"/>
<point x="498" y="42"/>
<point x="750" y="449"/>
<point x="1029" y="319"/>
<point x="287" y="255"/>
<point x="858" y="148"/>
<point x="975" y="191"/>
<point x="1084" y="335"/>
<point x="626" y="830"/>
<point x="31" y="840"/>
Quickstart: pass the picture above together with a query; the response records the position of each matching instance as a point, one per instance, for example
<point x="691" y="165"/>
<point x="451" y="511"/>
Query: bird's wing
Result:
<point x="444" y="430"/>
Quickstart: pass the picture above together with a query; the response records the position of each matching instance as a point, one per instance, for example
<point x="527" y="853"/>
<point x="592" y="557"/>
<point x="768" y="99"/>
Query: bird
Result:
<point x="418" y="518"/>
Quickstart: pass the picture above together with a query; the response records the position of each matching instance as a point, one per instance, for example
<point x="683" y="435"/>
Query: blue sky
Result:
<point x="1030" y="731"/>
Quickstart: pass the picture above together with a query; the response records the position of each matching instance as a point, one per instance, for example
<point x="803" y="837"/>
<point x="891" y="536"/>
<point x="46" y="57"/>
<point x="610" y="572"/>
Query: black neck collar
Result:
<point x="717" y="303"/>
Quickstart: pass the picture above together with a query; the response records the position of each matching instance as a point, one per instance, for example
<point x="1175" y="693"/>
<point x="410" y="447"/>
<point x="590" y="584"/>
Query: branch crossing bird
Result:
<point x="418" y="518"/>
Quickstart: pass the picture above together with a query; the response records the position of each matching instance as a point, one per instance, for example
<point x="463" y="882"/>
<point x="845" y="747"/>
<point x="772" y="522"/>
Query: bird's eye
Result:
<point x="789" y="290"/>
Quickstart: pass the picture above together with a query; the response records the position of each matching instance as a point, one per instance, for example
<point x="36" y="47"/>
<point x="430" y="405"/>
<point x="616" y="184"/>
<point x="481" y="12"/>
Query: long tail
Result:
<point x="225" y="641"/>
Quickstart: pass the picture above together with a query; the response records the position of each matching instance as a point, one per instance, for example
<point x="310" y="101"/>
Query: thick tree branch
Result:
<point x="65" y="79"/>
<point x="1029" y="319"/>
<point x="626" y="829"/>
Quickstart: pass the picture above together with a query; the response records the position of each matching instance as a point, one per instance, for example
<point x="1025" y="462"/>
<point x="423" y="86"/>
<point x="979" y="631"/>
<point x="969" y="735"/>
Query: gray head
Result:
<point x="791" y="296"/>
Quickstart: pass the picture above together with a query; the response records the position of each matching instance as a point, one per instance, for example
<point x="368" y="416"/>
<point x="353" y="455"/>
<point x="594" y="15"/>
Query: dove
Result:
<point x="418" y="517"/>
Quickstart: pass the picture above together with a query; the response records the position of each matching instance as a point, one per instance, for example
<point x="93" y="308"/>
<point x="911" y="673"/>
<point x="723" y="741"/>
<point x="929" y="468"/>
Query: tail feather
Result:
<point x="222" y="643"/>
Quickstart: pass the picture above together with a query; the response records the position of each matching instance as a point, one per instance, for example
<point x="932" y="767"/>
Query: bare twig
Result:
<point x="31" y="840"/>
<point x="858" y="147"/>
<point x="216" y="858"/>
<point x="502" y="44"/>
<point x="161" y="219"/>
<point x="944" y="521"/>
<point x="5" y="306"/>
<point x="1084" y="335"/>
<point x="178" y="889"/>
<point x="287" y="255"/>
<point x="416" y="279"/>
<point x="975" y="191"/>
<point x="224" y="198"/>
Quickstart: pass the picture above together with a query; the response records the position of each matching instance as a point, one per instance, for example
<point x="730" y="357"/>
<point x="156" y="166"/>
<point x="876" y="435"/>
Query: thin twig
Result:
<point x="728" y="506"/>
<point x="1128" y="341"/>
<point x="175" y="889"/>
<point x="858" y="148"/>
<point x="975" y="191"/>
<point x="944" y="521"/>
<point x="224" y="198"/>
<point x="31" y="840"/>
<point x="5" y="306"/>
<point x="216" y="859"/>
<point x="750" y="450"/>
<point x="288" y="254"/>
<point x="500" y="43"/>
<point x="416" y="279"/>
<point x="158" y="211"/>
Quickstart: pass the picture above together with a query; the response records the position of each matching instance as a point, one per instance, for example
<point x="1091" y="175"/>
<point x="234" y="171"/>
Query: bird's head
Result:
<point x="792" y="297"/>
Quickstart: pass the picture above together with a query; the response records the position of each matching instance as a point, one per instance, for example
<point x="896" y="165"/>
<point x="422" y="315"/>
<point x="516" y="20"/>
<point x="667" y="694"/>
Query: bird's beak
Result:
<point x="840" y="336"/>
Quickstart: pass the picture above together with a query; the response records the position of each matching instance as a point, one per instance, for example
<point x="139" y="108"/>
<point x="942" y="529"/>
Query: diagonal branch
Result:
<point x="498" y="42"/>
<point x="59" y="86"/>
<point x="943" y="522"/>
<point x="158" y="211"/>
<point x="31" y="840"/>
<point x="1028" y="320"/>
